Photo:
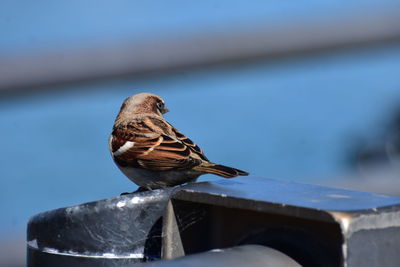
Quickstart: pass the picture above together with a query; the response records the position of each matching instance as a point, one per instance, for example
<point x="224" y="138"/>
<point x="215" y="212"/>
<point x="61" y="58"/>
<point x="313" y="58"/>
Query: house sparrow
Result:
<point x="151" y="152"/>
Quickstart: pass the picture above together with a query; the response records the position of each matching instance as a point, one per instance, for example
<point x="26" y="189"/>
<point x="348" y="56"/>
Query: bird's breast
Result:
<point x="158" y="179"/>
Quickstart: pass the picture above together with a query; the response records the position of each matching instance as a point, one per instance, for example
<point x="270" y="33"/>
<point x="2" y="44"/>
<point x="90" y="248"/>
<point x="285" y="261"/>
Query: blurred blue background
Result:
<point x="323" y="116"/>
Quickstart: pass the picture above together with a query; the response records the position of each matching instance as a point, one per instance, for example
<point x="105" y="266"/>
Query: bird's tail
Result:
<point x="221" y="170"/>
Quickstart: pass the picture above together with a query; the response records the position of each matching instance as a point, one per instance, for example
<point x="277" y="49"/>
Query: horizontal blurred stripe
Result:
<point x="104" y="60"/>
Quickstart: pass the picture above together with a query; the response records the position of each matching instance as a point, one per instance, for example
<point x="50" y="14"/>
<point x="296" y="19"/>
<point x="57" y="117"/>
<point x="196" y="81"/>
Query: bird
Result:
<point x="151" y="152"/>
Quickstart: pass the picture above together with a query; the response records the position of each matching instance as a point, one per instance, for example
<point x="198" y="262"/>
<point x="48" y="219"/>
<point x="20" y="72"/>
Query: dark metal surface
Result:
<point x="374" y="247"/>
<point x="314" y="225"/>
<point x="292" y="217"/>
<point x="258" y="189"/>
<point x="114" y="232"/>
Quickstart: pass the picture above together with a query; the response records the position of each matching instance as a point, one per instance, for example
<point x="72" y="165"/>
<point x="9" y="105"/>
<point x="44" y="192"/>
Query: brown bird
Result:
<point x="151" y="152"/>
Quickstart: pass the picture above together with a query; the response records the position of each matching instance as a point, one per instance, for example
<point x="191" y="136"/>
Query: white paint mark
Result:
<point x="128" y="145"/>
<point x="109" y="255"/>
<point x="189" y="190"/>
<point x="136" y="255"/>
<point x="103" y="255"/>
<point x="33" y="243"/>
<point x="121" y="204"/>
<point x="51" y="250"/>
<point x="135" y="200"/>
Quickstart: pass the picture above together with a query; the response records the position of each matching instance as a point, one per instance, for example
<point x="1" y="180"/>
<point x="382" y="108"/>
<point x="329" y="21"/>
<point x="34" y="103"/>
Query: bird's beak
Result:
<point x="164" y="110"/>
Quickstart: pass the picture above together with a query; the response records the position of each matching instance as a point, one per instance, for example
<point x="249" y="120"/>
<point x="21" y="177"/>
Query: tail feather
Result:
<point x="221" y="170"/>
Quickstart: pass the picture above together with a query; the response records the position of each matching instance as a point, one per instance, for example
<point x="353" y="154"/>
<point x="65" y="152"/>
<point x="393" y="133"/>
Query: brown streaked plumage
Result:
<point x="151" y="152"/>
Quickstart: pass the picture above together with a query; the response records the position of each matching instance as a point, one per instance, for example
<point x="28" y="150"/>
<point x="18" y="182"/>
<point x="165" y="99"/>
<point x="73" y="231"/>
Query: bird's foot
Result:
<point x="140" y="189"/>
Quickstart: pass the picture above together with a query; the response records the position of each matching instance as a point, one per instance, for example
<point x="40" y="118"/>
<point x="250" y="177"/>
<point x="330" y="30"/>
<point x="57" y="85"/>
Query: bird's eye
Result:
<point x="160" y="105"/>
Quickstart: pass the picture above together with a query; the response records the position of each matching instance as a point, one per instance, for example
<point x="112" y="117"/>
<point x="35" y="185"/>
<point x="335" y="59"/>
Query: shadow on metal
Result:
<point x="311" y="225"/>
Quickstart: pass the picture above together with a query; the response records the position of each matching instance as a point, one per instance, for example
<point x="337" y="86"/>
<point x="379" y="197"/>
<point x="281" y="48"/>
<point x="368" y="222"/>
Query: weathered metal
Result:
<point x="314" y="225"/>
<point x="113" y="232"/>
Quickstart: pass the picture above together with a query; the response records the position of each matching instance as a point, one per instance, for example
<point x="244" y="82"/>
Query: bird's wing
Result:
<point x="153" y="144"/>
<point x="192" y="146"/>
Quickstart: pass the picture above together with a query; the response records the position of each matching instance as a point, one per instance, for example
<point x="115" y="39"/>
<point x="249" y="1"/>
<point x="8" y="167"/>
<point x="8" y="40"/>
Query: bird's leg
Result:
<point x="140" y="189"/>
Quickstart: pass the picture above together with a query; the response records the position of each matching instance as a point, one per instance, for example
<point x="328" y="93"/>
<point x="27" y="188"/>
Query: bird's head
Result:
<point x="144" y="103"/>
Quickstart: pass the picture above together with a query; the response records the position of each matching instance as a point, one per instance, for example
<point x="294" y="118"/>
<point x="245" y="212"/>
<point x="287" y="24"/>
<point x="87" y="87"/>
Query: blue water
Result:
<point x="293" y="119"/>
